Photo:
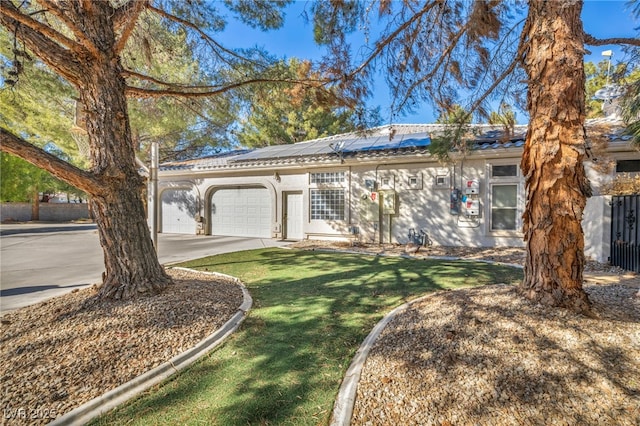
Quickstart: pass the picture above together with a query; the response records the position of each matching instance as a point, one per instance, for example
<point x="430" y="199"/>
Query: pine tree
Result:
<point x="84" y="43"/>
<point x="446" y="52"/>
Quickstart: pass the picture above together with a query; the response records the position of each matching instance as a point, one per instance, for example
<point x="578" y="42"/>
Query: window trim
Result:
<point x="517" y="181"/>
<point x="491" y="165"/>
<point x="493" y="208"/>
<point x="342" y="212"/>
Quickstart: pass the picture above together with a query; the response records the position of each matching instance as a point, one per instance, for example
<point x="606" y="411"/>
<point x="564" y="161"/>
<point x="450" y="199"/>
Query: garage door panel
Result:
<point x="243" y="212"/>
<point x="179" y="209"/>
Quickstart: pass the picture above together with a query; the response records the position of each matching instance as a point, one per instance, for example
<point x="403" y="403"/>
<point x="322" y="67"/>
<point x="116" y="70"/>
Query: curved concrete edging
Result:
<point x="343" y="406"/>
<point x="104" y="403"/>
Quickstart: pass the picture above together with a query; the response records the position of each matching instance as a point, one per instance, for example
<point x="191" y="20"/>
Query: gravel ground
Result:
<point x="63" y="352"/>
<point x="485" y="356"/>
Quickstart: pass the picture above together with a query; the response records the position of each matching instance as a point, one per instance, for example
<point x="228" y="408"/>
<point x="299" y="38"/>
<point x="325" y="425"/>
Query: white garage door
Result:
<point x="241" y="212"/>
<point x="179" y="208"/>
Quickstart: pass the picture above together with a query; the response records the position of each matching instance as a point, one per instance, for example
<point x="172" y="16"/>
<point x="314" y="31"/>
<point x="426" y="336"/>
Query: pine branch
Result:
<point x="203" y="91"/>
<point x="121" y="14"/>
<point x="81" y="179"/>
<point x="132" y="74"/>
<point x="216" y="47"/>
<point x="380" y="46"/>
<point x="56" y="10"/>
<point x="62" y="60"/>
<point x="519" y="57"/>
<point x="126" y="18"/>
<point x="8" y="10"/>
<point x="592" y="41"/>
<point x="445" y="55"/>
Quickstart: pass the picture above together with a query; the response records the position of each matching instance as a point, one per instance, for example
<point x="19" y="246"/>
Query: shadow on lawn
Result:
<point x="311" y="312"/>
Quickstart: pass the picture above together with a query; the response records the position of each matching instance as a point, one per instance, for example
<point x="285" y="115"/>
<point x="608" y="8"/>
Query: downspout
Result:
<point x="350" y="212"/>
<point x="153" y="193"/>
<point x="380" y="215"/>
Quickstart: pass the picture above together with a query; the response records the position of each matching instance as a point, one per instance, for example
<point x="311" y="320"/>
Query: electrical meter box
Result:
<point x="369" y="207"/>
<point x="454" y="205"/>
<point x="389" y="204"/>
<point x="472" y="186"/>
<point x="471" y="207"/>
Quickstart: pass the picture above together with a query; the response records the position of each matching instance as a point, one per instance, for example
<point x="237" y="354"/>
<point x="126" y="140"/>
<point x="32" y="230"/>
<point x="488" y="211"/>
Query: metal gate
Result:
<point x="625" y="237"/>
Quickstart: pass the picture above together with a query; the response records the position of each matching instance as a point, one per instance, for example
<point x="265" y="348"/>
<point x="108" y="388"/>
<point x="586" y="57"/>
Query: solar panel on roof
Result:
<point x="350" y="144"/>
<point x="418" y="141"/>
<point x="361" y="144"/>
<point x="383" y="143"/>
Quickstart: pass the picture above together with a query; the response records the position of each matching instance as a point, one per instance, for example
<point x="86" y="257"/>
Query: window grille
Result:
<point x="324" y="178"/>
<point x="327" y="204"/>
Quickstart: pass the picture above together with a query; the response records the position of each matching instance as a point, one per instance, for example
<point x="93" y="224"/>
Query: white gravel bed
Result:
<point x="63" y="352"/>
<point x="485" y="356"/>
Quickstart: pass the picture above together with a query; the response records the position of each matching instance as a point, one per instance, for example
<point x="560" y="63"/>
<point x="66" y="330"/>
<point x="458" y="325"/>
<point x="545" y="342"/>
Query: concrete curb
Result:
<point x="343" y="406"/>
<point x="113" y="398"/>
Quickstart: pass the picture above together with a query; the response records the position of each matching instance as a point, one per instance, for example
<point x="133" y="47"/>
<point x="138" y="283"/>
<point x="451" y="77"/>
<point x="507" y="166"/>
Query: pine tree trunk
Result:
<point x="552" y="163"/>
<point x="131" y="263"/>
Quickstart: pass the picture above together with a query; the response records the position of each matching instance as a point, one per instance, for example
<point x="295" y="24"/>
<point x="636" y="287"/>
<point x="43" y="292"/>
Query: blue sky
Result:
<point x="602" y="19"/>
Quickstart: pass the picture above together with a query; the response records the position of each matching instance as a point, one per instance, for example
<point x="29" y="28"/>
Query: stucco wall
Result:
<point x="49" y="212"/>
<point x="425" y="206"/>
<point x="596" y="224"/>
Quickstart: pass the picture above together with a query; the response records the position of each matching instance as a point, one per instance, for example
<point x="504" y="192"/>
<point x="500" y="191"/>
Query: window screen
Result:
<point x="628" y="166"/>
<point x="504" y="207"/>
<point x="508" y="170"/>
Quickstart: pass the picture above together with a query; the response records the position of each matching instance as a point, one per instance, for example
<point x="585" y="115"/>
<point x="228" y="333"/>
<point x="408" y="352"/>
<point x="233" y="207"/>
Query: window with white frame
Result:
<point x="504" y="185"/>
<point x="504" y="207"/>
<point x="324" y="178"/>
<point x="442" y="181"/>
<point x="327" y="204"/>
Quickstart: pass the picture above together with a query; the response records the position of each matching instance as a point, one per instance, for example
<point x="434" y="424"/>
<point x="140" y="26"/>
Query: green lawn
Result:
<point x="311" y="310"/>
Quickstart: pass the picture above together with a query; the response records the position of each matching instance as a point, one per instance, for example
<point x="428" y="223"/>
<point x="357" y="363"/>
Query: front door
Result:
<point x="293" y="216"/>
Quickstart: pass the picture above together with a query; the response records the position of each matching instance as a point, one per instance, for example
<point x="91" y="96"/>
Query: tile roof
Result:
<point x="207" y="162"/>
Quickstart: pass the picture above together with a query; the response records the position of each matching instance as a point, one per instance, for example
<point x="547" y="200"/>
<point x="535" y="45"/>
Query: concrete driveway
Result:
<point x="39" y="261"/>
